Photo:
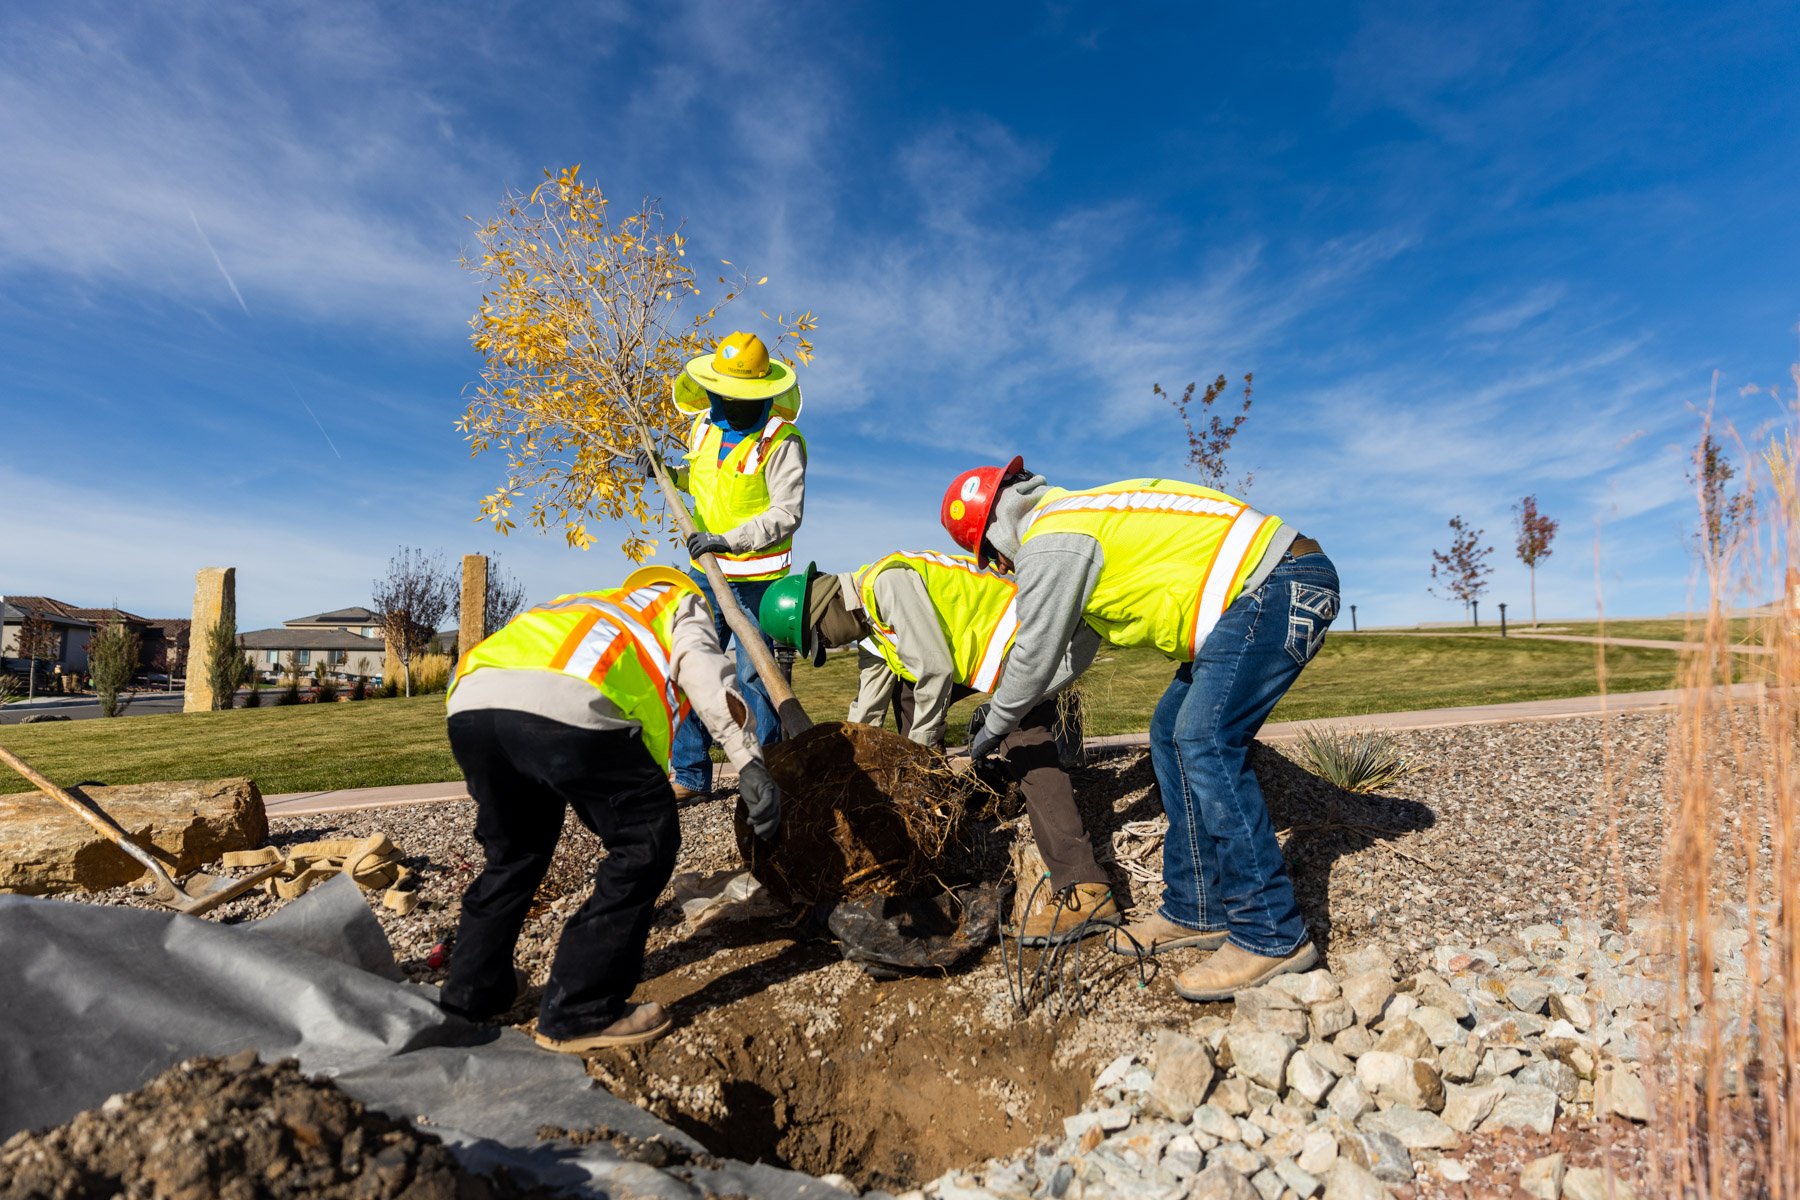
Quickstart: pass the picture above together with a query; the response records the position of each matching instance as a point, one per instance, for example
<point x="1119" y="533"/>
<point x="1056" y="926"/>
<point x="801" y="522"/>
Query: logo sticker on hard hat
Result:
<point x="957" y="510"/>
<point x="971" y="490"/>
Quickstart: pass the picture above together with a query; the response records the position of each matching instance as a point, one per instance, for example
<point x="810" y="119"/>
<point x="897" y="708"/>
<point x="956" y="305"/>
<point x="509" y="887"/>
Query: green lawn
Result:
<point x="1660" y="629"/>
<point x="307" y="748"/>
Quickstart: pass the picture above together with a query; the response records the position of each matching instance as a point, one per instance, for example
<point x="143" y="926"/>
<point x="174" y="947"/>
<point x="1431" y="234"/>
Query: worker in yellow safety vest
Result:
<point x="933" y="629"/>
<point x="746" y="476"/>
<point x="1242" y="602"/>
<point x="575" y="703"/>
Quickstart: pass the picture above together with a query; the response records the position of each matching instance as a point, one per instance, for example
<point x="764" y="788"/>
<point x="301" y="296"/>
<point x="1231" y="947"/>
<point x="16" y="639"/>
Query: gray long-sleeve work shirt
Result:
<point x="1057" y="574"/>
<point x="919" y="639"/>
<point x="697" y="666"/>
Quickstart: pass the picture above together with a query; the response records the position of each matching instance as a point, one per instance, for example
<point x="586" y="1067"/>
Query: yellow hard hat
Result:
<point x="740" y="368"/>
<point x="644" y="576"/>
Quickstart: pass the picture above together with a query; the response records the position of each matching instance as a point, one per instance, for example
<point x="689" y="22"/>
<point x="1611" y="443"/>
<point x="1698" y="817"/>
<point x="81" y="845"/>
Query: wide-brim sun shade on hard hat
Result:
<point x="740" y="369"/>
<point x="969" y="504"/>
<point x="785" y="611"/>
<point x="644" y="576"/>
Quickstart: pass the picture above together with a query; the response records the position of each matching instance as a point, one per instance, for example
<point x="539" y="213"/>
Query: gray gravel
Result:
<point x="1504" y="826"/>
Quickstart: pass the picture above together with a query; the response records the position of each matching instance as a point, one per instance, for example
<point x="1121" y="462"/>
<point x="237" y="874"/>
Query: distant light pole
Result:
<point x="1353" y="618"/>
<point x="1503" y="620"/>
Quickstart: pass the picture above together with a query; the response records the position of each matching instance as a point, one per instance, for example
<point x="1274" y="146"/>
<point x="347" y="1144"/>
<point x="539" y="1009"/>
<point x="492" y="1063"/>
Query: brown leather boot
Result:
<point x="1083" y="909"/>
<point x="684" y="793"/>
<point x="640" y="1024"/>
<point x="1231" y="969"/>
<point x="1156" y="934"/>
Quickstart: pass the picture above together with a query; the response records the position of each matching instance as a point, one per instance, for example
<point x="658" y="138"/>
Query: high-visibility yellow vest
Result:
<point x="729" y="491"/>
<point x="620" y="641"/>
<point x="976" y="609"/>
<point x="1176" y="556"/>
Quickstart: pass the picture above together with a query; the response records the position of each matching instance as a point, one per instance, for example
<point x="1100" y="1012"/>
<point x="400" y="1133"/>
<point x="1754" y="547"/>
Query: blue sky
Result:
<point x="1468" y="257"/>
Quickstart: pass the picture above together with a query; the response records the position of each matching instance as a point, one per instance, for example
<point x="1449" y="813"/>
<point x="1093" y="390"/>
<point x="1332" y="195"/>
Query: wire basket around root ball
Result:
<point x="864" y="812"/>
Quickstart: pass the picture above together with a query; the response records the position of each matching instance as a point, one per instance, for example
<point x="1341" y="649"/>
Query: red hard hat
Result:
<point x="969" y="502"/>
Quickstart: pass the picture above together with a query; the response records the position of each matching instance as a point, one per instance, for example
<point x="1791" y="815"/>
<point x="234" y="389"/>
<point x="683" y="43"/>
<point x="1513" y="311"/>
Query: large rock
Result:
<point x="46" y="849"/>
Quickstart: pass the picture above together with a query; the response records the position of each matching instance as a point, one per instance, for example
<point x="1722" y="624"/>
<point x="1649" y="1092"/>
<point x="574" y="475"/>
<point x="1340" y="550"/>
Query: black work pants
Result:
<point x="523" y="771"/>
<point x="1032" y="761"/>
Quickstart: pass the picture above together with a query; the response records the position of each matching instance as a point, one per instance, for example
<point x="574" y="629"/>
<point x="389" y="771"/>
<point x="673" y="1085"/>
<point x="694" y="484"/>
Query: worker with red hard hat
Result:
<point x="1241" y="601"/>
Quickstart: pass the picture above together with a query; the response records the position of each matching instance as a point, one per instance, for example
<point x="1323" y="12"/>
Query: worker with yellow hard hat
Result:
<point x="1241" y="601"/>
<point x="746" y="475"/>
<point x="932" y="629"/>
<point x="574" y="704"/>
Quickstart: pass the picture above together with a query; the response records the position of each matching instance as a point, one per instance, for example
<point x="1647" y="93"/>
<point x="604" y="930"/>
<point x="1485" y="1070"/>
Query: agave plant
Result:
<point x="1356" y="760"/>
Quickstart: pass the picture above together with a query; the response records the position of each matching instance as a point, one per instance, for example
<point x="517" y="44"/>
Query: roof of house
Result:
<point x="355" y="615"/>
<point x="54" y="611"/>
<point x="309" y="639"/>
<point x="108" y="614"/>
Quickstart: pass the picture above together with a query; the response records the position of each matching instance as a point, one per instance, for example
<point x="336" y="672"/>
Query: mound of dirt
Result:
<point x="233" y="1128"/>
<point x="864" y="812"/>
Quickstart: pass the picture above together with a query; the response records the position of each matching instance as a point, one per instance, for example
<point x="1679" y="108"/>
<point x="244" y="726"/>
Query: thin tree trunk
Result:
<point x="1533" y="570"/>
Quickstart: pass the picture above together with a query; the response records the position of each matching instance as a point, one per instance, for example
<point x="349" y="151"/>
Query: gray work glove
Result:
<point x="706" y="543"/>
<point x="647" y="462"/>
<point x="982" y="740"/>
<point x="762" y="798"/>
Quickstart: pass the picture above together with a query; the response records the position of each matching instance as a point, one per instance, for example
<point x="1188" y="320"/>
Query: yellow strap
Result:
<point x="252" y="858"/>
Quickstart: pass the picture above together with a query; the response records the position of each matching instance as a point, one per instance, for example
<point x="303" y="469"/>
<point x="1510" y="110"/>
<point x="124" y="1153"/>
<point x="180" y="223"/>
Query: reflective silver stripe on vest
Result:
<point x="1225" y="569"/>
<point x="761" y="564"/>
<point x="1165" y="502"/>
<point x="987" y="672"/>
<point x="753" y="460"/>
<point x="617" y="622"/>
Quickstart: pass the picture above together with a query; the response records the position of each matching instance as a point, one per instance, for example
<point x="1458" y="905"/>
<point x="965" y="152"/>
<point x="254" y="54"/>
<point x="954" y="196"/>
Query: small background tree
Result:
<point x="112" y="660"/>
<point x="1210" y="434"/>
<point x="411" y="600"/>
<point x="172" y="657"/>
<point x="505" y="598"/>
<point x="1460" y="573"/>
<point x="226" y="666"/>
<point x="38" y="642"/>
<point x="1725" y="514"/>
<point x="1536" y="532"/>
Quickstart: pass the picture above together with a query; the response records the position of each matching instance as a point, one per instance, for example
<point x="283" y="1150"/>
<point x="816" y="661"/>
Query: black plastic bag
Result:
<point x="890" y="936"/>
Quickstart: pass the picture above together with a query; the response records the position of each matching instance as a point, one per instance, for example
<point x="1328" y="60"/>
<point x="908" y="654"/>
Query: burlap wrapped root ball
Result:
<point x="864" y="812"/>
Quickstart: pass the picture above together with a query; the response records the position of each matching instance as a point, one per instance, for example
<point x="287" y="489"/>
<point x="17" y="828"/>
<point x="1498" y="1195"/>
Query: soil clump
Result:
<point x="238" y="1129"/>
<point x="864" y="812"/>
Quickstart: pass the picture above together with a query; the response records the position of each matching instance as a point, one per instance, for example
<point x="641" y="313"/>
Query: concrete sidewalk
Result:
<point x="295" y="804"/>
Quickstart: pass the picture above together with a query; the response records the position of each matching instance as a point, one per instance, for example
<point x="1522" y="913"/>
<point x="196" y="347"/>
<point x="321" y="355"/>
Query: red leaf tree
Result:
<point x="1209" y="434"/>
<point x="1536" y="532"/>
<point x="1460" y="573"/>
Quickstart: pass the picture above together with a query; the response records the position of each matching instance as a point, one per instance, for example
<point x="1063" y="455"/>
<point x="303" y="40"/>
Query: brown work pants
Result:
<point x="1030" y="756"/>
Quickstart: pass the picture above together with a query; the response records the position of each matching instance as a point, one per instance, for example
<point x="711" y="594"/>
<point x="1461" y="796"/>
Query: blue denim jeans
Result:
<point x="1222" y="867"/>
<point x="687" y="754"/>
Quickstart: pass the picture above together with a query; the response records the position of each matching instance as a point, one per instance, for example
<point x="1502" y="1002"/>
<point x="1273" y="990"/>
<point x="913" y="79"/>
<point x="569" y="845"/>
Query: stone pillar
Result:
<point x="471" y="624"/>
<point x="215" y="600"/>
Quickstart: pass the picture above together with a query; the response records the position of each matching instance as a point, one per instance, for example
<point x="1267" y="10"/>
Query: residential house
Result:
<point x="346" y="641"/>
<point x="72" y="633"/>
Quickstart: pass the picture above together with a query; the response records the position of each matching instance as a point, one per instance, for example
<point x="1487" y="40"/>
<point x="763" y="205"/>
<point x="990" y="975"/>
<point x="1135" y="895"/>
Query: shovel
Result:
<point x="199" y="894"/>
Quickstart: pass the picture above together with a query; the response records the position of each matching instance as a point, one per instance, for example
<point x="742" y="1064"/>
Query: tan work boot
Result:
<point x="684" y="793"/>
<point x="1231" y="969"/>
<point x="1083" y="909"/>
<point x="643" y="1023"/>
<point x="1156" y="934"/>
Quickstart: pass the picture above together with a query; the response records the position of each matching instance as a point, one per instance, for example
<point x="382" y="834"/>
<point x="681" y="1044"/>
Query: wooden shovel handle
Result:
<point x="107" y="827"/>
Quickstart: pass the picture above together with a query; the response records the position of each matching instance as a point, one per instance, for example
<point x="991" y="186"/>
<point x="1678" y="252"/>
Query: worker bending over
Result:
<point x="934" y="629"/>
<point x="746" y="474"/>
<point x="574" y="703"/>
<point x="1242" y="602"/>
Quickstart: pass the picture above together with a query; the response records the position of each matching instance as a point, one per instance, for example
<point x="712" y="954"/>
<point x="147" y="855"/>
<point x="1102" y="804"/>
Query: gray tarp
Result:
<point x="96" y="1000"/>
